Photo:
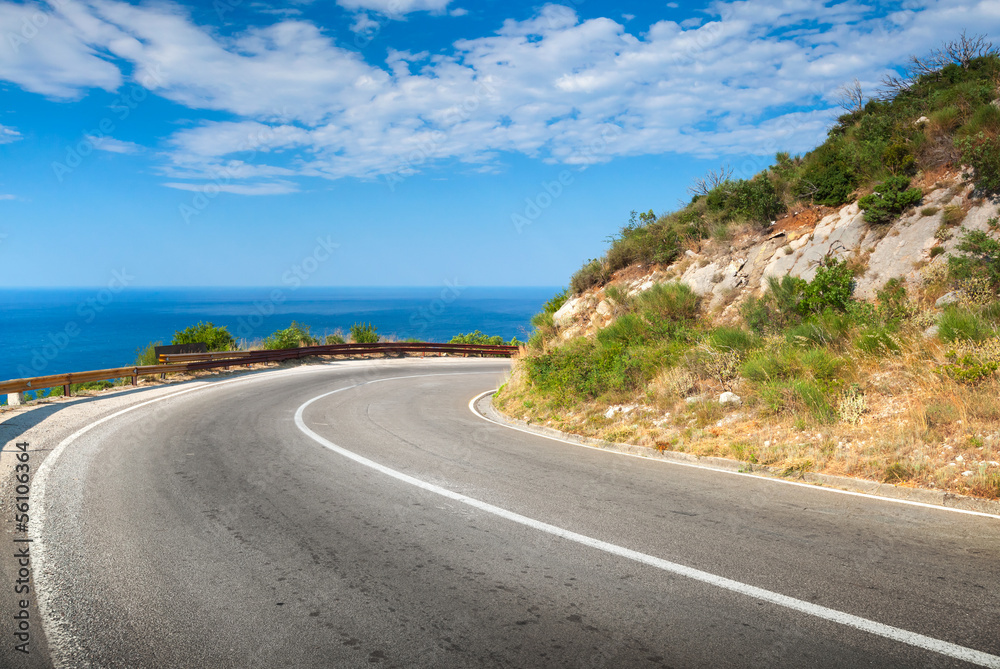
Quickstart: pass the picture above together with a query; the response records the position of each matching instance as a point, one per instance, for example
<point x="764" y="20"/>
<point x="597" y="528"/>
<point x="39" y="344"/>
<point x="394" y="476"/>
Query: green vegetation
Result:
<point x="294" y="336"/>
<point x="981" y="257"/>
<point x="364" y="333"/>
<point x="147" y="355"/>
<point x="216" y="338"/>
<point x="481" y="339"/>
<point x="891" y="197"/>
<point x="875" y="148"/>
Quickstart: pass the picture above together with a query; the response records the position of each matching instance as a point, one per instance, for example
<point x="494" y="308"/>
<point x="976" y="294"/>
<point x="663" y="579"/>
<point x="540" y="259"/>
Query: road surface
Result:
<point x="359" y="514"/>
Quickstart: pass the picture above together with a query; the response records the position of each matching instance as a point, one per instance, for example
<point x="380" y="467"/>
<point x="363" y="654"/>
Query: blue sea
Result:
<point x="53" y="331"/>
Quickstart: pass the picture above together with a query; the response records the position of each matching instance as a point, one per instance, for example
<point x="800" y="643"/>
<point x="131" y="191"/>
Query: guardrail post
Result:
<point x="66" y="390"/>
<point x="15" y="399"/>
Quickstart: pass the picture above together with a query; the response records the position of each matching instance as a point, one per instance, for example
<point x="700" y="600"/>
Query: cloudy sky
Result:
<point x="492" y="143"/>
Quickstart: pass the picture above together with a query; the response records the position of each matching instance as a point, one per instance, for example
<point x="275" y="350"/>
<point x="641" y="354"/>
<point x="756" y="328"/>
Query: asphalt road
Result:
<point x="210" y="530"/>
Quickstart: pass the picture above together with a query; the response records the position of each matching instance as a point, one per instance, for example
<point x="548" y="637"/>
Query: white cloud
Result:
<point x="113" y="145"/>
<point x="7" y="196"/>
<point x="552" y="87"/>
<point x="459" y="11"/>
<point x="8" y="135"/>
<point x="395" y="8"/>
<point x="273" y="188"/>
<point x="46" y="52"/>
<point x="363" y="23"/>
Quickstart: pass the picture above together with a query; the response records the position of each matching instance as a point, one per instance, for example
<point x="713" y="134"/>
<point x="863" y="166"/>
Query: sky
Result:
<point x="402" y="142"/>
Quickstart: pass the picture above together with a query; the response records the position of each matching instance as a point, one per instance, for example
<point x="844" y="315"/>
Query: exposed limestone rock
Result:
<point x="837" y="235"/>
<point x="946" y="299"/>
<point x="730" y="398"/>
<point x="725" y="276"/>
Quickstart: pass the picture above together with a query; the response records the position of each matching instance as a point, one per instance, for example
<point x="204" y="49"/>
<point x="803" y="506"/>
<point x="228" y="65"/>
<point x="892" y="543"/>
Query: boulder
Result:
<point x="729" y="398"/>
<point x="946" y="299"/>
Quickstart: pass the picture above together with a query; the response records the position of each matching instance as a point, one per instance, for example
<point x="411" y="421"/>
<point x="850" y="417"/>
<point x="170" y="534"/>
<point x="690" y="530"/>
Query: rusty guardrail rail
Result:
<point x="190" y="362"/>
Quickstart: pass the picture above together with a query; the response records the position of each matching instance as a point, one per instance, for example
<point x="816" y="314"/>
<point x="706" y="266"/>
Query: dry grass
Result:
<point x="917" y="427"/>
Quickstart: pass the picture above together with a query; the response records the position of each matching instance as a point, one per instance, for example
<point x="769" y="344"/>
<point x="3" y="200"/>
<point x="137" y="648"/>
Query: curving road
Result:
<point x="359" y="514"/>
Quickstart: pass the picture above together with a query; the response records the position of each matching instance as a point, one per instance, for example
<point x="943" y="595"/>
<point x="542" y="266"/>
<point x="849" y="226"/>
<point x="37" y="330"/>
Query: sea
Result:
<point x="54" y="331"/>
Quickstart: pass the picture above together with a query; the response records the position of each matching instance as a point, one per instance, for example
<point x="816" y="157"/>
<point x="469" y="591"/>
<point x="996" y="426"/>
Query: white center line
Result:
<point x="903" y="636"/>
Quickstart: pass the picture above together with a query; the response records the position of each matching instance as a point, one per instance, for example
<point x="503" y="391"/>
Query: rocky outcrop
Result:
<point x="726" y="277"/>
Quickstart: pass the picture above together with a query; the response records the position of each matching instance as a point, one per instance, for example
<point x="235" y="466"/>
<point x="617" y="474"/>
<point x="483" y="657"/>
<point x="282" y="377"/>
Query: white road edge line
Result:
<point x="810" y="486"/>
<point x="63" y="648"/>
<point x="903" y="636"/>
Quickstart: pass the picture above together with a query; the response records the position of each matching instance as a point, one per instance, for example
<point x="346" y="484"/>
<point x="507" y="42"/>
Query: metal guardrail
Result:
<point x="190" y="362"/>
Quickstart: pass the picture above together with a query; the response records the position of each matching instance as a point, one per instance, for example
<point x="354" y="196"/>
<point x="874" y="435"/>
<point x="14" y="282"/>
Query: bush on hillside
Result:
<point x="215" y="338"/>
<point x="481" y="339"/>
<point x="891" y="198"/>
<point x="982" y="152"/>
<point x="294" y="336"/>
<point x="755" y="200"/>
<point x="830" y="288"/>
<point x="364" y="333"/>
<point x="147" y="356"/>
<point x="827" y="178"/>
<point x="981" y="257"/>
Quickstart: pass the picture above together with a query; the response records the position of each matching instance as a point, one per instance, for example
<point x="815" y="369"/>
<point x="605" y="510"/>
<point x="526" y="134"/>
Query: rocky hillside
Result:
<point x="837" y="312"/>
<point x="914" y="248"/>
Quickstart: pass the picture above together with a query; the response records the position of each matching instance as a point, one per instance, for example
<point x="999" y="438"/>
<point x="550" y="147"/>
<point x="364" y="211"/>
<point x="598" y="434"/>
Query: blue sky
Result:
<point x="412" y="142"/>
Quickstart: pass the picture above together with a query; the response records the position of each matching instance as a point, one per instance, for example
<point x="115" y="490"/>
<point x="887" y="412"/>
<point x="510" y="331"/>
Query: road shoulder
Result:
<point x="483" y="405"/>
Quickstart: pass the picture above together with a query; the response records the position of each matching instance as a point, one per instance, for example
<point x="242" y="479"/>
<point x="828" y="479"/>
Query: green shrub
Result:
<point x="827" y="329"/>
<point x="765" y="366"/>
<point x="898" y="159"/>
<point x="294" y="336"/>
<point x="893" y="303"/>
<point x="147" y="356"/>
<point x="216" y="338"/>
<point x="777" y="308"/>
<point x="364" y="333"/>
<point x="877" y="340"/>
<point x="733" y="339"/>
<point x="971" y="362"/>
<point x="335" y="338"/>
<point x="480" y="339"/>
<point x="830" y="288"/>
<point x="827" y="178"/>
<point x="958" y="324"/>
<point x="626" y="331"/>
<point x="593" y="273"/>
<point x="891" y="198"/>
<point x="555" y="303"/>
<point x="982" y="152"/>
<point x="815" y="400"/>
<point x="822" y="365"/>
<point x="584" y="369"/>
<point x="669" y="301"/>
<point x="985" y="120"/>
<point x="755" y="200"/>
<point x="981" y="258"/>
